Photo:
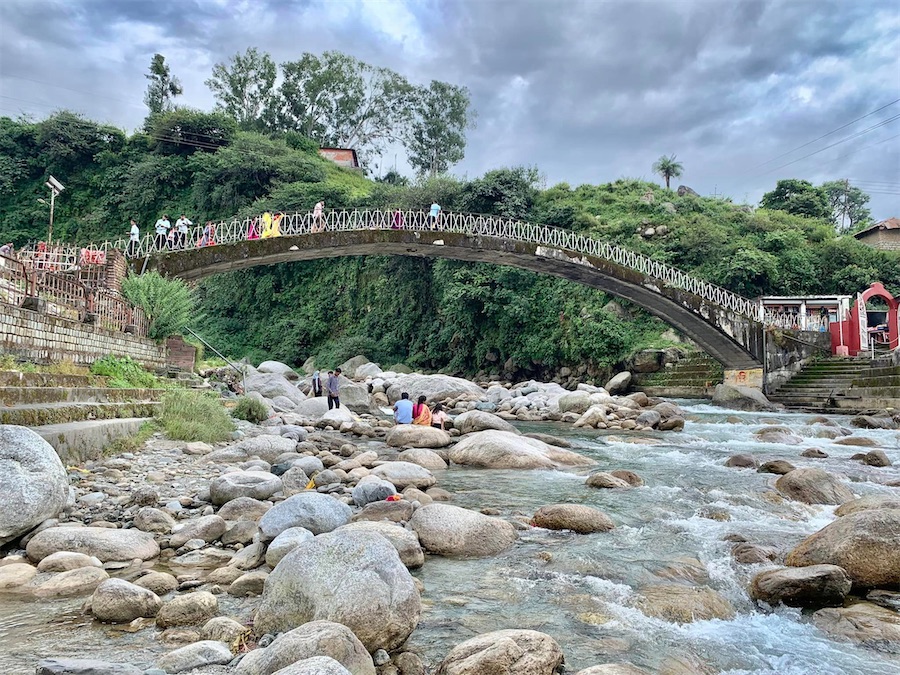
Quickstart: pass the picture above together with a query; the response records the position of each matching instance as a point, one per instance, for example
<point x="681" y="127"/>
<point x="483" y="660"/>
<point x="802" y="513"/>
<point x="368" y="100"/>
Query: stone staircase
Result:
<point x="692" y="377"/>
<point x="842" y="384"/>
<point x="77" y="414"/>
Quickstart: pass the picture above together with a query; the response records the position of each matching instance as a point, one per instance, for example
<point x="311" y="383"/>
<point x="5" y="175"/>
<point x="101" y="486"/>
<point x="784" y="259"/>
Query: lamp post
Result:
<point x="55" y="188"/>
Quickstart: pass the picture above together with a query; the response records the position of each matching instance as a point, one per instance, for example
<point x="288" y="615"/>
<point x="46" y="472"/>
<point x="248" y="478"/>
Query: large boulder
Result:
<point x="864" y="623"/>
<point x="505" y="450"/>
<point x="504" y="652"/>
<point x="196" y="655"/>
<point x="403" y="474"/>
<point x="423" y="457"/>
<point x="405" y="541"/>
<point x="813" y="586"/>
<point x="312" y="408"/>
<point x="368" y="370"/>
<point x="348" y="367"/>
<point x="433" y="387"/>
<point x="867" y="503"/>
<point x="118" y="601"/>
<point x="33" y="482"/>
<point x="684" y="604"/>
<point x="316" y="638"/>
<point x="416" y="436"/>
<point x="353" y="578"/>
<point x="278" y="368"/>
<point x="207" y="528"/>
<point x="866" y="544"/>
<point x="272" y="385"/>
<point x="372" y="489"/>
<point x="576" y="402"/>
<point x="576" y="517"/>
<point x="813" y="486"/>
<point x="354" y="396"/>
<point x="286" y="542"/>
<point x="255" y="484"/>
<point x="267" y="447"/>
<point x="314" y="511"/>
<point x="105" y="544"/>
<point x="479" y="420"/>
<point x="337" y="416"/>
<point x="619" y="383"/>
<point x="190" y="609"/>
<point x="742" y="398"/>
<point x="449" y="530"/>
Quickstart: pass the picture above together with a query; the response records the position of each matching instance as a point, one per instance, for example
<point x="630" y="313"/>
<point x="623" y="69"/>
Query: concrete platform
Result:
<point x="76" y="442"/>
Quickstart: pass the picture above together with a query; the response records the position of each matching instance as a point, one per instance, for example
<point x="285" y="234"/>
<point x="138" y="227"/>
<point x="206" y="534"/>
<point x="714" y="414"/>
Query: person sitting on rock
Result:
<point x="438" y="417"/>
<point x="403" y="410"/>
<point x="422" y="413"/>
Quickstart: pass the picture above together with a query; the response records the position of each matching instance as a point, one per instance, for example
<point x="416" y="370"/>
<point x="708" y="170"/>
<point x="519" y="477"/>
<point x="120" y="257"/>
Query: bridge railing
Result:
<point x="342" y="220"/>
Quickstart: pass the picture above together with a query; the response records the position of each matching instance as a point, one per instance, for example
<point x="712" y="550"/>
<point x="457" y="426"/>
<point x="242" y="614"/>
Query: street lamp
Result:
<point x="55" y="188"/>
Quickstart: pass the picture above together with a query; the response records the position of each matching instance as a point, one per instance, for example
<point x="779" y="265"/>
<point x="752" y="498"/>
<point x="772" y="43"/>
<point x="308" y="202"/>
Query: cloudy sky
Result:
<point x="586" y="90"/>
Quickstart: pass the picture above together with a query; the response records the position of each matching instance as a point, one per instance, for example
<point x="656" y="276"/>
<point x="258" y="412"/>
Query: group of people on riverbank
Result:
<point x="407" y="412"/>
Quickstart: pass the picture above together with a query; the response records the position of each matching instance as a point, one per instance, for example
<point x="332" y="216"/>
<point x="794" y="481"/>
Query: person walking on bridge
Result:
<point x="333" y="388"/>
<point x="162" y="230"/>
<point x="134" y="239"/>
<point x="434" y="215"/>
<point x="181" y="227"/>
<point x="318" y="224"/>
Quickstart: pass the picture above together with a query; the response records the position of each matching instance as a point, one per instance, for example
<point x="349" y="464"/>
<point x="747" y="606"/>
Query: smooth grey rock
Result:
<point x="449" y="530"/>
<point x="477" y="420"/>
<point x="286" y="542"/>
<point x="118" y="601"/>
<point x="504" y="450"/>
<point x="403" y="474"/>
<point x="254" y="484"/>
<point x="316" y="512"/>
<point x="196" y="655"/>
<point x="405" y="541"/>
<point x="103" y="543"/>
<point x="205" y="528"/>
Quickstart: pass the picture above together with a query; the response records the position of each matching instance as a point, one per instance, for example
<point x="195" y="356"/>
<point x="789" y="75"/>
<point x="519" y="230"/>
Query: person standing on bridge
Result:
<point x="318" y="225"/>
<point x="162" y="229"/>
<point x="333" y="388"/>
<point x="397" y="220"/>
<point x="434" y="215"/>
<point x="134" y="239"/>
<point x="181" y="225"/>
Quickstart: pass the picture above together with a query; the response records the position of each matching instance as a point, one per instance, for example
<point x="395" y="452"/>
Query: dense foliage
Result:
<point x="436" y="314"/>
<point x="124" y="373"/>
<point x="167" y="303"/>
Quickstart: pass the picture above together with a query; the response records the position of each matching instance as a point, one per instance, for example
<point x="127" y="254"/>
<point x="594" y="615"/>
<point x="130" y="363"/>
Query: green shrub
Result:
<point x="168" y="303"/>
<point x="124" y="373"/>
<point x="188" y="415"/>
<point x="251" y="410"/>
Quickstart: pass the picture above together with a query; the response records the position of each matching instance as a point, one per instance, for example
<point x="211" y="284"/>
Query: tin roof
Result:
<point x="889" y="224"/>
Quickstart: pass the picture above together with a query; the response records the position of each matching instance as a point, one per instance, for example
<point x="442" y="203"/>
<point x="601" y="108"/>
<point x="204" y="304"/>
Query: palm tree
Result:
<point x="668" y="168"/>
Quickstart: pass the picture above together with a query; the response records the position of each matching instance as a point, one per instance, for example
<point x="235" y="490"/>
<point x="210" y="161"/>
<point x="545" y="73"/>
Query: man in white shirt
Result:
<point x="318" y="225"/>
<point x="433" y="215"/>
<point x="162" y="229"/>
<point x="134" y="239"/>
<point x="181" y="228"/>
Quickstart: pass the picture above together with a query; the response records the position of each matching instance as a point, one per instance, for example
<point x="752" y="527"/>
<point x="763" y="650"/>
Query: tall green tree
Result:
<point x="436" y="138"/>
<point x="668" y="168"/>
<point x="799" y="197"/>
<point x="244" y="87"/>
<point x="341" y="101"/>
<point x="848" y="205"/>
<point x="163" y="88"/>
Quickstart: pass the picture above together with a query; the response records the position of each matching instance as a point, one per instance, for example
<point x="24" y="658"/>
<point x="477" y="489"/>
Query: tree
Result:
<point x="436" y="138"/>
<point x="342" y="102"/>
<point x="848" y="204"/>
<point x="185" y="131"/>
<point x="162" y="88"/>
<point x="168" y="303"/>
<point x="799" y="197"/>
<point x="244" y="87"/>
<point x="668" y="168"/>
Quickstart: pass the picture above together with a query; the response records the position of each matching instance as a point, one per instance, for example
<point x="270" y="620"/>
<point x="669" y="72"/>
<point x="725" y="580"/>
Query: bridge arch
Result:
<point x="723" y="324"/>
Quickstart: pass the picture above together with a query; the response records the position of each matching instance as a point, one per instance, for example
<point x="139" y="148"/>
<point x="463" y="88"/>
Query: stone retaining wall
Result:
<point x="43" y="339"/>
<point x="787" y="351"/>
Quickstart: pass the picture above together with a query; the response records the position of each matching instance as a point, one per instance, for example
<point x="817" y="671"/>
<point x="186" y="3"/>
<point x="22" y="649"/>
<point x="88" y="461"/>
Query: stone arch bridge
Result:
<point x="725" y="325"/>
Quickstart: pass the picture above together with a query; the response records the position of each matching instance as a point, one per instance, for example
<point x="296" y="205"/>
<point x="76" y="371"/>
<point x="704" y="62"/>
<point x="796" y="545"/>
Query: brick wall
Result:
<point x="42" y="339"/>
<point x="886" y="240"/>
<point x="180" y="353"/>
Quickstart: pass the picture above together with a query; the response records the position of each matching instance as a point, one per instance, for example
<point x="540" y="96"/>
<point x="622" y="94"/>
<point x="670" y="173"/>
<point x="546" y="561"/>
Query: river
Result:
<point x="581" y="589"/>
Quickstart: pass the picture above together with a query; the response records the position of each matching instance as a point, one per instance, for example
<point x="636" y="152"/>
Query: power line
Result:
<point x="865" y="147"/>
<point x="77" y="91"/>
<point x="833" y="131"/>
<point x="827" y="147"/>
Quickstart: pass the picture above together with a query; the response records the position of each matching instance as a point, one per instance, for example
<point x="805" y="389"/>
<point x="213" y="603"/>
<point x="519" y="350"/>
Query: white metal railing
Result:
<point x="348" y="220"/>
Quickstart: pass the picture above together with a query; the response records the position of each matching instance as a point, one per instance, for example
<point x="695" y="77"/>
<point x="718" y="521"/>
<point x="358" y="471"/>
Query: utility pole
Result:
<point x="55" y="188"/>
<point x="846" y="204"/>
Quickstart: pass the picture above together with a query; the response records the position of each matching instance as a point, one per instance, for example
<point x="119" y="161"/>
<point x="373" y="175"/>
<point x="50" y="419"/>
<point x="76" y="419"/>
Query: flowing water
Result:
<point x="582" y="589"/>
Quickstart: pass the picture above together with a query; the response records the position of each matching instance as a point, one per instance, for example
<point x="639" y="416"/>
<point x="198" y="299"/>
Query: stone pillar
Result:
<point x="179" y="354"/>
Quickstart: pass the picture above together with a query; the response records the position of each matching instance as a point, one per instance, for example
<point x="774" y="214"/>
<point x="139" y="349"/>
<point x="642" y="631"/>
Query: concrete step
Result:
<point x="35" y="415"/>
<point x="77" y="442"/>
<point x="13" y="378"/>
<point x="11" y="396"/>
<point x="678" y="391"/>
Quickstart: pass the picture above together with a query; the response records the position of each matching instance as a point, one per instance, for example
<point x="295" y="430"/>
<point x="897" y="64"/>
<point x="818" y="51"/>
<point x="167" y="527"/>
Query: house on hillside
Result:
<point x="345" y="157"/>
<point x="884" y="235"/>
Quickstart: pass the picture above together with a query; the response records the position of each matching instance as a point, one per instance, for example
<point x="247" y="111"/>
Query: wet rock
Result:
<point x="887" y="599"/>
<point x="478" y="420"/>
<point x="649" y="418"/>
<point x="613" y="669"/>
<point x="779" y="435"/>
<point x="629" y="477"/>
<point x="224" y="576"/>
<point x="453" y="531"/>
<point x="63" y="561"/>
<point x="206" y="528"/>
<point x="752" y="554"/>
<point x="316" y="512"/>
<point x="776" y="466"/>
<point x="118" y="601"/>
<point x="161" y="583"/>
<point x="856" y="441"/>
<point x="33" y="482"/>
<point x="576" y="517"/>
<point x="352" y="578"/>
<point x="316" y="638"/>
<point x="244" y="508"/>
<point x="404" y="474"/>
<point x="812" y="586"/>
<point x="405" y="541"/>
<point x="74" y="583"/>
<point x="424" y="458"/>
<point x="190" y="609"/>
<point x="602" y="479"/>
<point x="814" y="453"/>
<point x="872" y="422"/>
<point x="549" y="440"/>
<point x="503" y="450"/>
<point x="504" y="652"/>
<point x="102" y="543"/>
<point x="84" y="667"/>
<point x="742" y="461"/>
<point x="684" y="604"/>
<point x="197" y="655"/>
<point x="416" y="436"/>
<point x="867" y="503"/>
<point x="286" y="542"/>
<point x="876" y="458"/>
<point x="866" y="544"/>
<point x="742" y="398"/>
<point x="813" y="486"/>
<point x="675" y="423"/>
<point x="864" y="623"/>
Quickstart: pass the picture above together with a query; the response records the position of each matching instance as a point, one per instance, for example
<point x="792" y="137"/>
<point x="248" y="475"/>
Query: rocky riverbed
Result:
<point x="554" y="531"/>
